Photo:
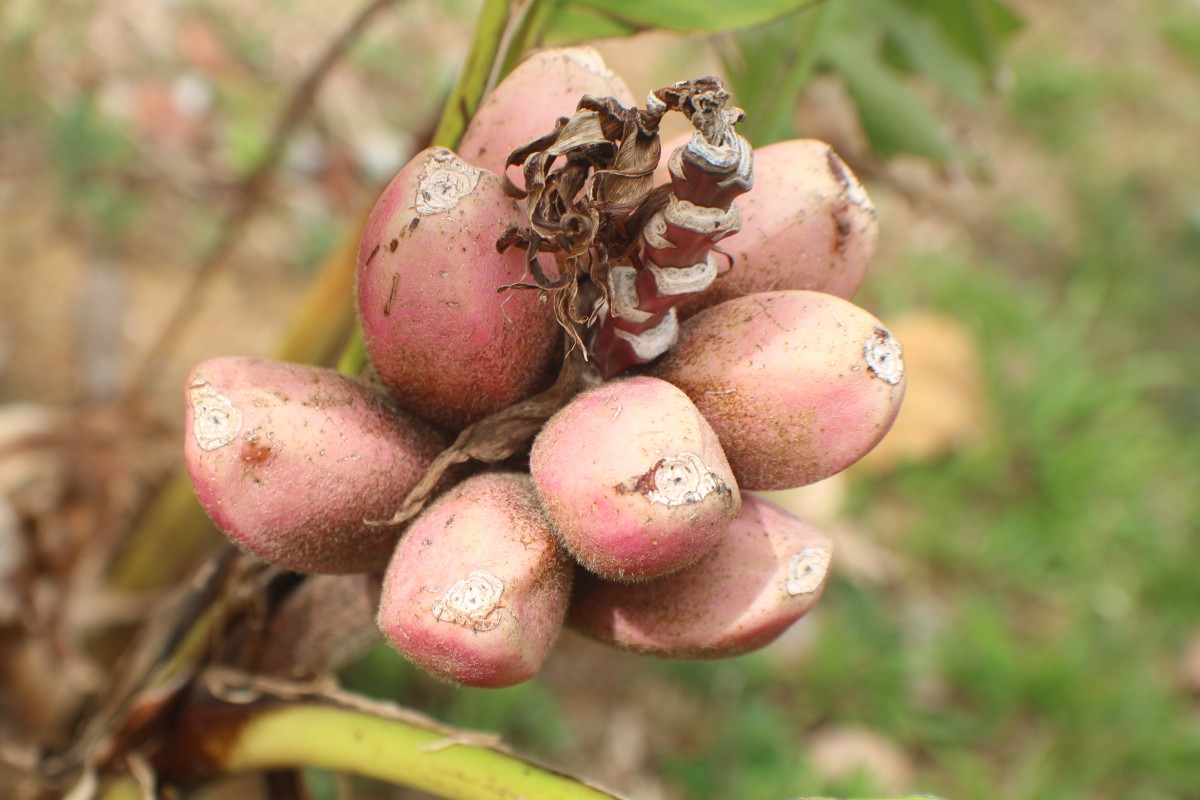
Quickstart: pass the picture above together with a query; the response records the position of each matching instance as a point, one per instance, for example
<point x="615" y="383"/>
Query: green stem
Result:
<point x="528" y="33"/>
<point x="354" y="356"/>
<point x="309" y="735"/>
<point x="810" y="47"/>
<point x="123" y="788"/>
<point x="467" y="93"/>
<point x="272" y="725"/>
<point x="769" y="122"/>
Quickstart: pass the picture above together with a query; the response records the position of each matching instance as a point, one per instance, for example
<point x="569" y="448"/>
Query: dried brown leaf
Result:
<point x="497" y="437"/>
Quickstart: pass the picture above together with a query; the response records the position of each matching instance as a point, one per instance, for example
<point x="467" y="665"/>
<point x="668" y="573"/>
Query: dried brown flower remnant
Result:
<point x="629" y="252"/>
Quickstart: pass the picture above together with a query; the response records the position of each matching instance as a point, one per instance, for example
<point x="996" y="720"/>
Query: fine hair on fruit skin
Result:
<point x="442" y="336"/>
<point x="545" y="86"/>
<point x="798" y="385"/>
<point x="289" y="460"/>
<point x="477" y="590"/>
<point x="765" y="573"/>
<point x="634" y="479"/>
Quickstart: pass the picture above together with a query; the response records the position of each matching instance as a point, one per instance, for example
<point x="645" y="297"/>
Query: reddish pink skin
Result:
<point x="587" y="462"/>
<point x="806" y="224"/>
<point x="316" y="454"/>
<point x="447" y="344"/>
<point x="489" y="522"/>
<point x="783" y="380"/>
<point x="527" y="103"/>
<point x="732" y="601"/>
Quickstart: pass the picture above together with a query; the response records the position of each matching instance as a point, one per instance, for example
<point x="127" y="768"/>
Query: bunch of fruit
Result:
<point x="581" y="367"/>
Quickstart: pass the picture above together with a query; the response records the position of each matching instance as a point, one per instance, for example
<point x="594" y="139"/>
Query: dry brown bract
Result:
<point x="589" y="189"/>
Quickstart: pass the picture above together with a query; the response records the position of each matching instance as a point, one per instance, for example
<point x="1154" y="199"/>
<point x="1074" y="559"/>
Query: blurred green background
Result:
<point x="1015" y="608"/>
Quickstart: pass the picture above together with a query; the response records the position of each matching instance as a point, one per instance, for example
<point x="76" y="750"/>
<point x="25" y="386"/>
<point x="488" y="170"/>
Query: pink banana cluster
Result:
<point x="535" y="490"/>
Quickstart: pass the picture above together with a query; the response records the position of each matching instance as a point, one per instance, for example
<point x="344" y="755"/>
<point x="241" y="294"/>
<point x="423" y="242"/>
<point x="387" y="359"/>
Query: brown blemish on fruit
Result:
<point x="215" y="421"/>
<point x="472" y="602"/>
<point x="392" y="245"/>
<point x="412" y="225"/>
<point x="676" y="481"/>
<point x="255" y="451"/>
<point x="330" y="396"/>
<point x="374" y="252"/>
<point x="852" y="194"/>
<point x="841" y="228"/>
<point x="387" y="307"/>
<point x="851" y="188"/>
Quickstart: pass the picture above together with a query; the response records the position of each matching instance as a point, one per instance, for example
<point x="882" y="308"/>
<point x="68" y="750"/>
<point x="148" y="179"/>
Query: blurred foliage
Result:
<point x="581" y="20"/>
<point x="94" y="163"/>
<point x="1181" y="29"/>
<point x="875" y="46"/>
